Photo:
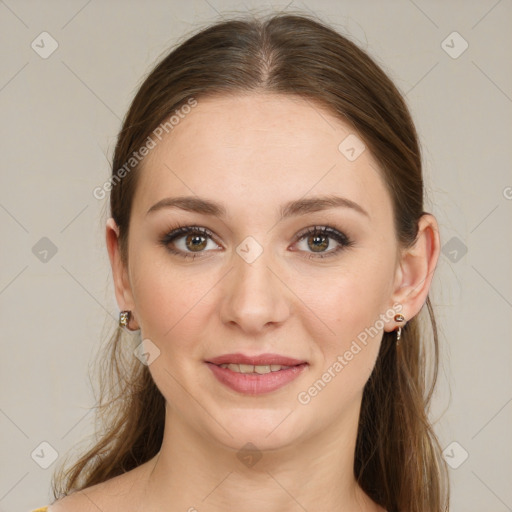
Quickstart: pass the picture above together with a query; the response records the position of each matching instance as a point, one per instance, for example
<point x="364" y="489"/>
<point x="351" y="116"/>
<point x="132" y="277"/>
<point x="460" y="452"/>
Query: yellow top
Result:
<point x="42" y="509"/>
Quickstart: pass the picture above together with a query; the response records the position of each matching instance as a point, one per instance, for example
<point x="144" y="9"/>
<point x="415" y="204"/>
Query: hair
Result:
<point x="398" y="460"/>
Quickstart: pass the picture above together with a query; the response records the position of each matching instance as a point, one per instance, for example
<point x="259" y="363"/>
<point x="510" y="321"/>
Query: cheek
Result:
<point x="172" y="301"/>
<point x="351" y="306"/>
<point x="160" y="292"/>
<point x="350" y="298"/>
<point x="350" y="302"/>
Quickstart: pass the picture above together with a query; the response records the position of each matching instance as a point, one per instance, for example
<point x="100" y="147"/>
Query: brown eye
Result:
<point x="188" y="242"/>
<point x="318" y="243"/>
<point x="195" y="242"/>
<point x="318" y="239"/>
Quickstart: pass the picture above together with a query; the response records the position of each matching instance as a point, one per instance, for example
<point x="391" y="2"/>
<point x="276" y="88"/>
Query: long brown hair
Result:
<point x="398" y="460"/>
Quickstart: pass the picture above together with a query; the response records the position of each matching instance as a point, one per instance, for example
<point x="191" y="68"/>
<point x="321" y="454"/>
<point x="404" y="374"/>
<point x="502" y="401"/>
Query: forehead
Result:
<point x="259" y="149"/>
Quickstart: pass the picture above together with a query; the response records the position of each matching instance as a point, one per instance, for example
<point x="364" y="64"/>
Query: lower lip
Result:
<point x="251" y="384"/>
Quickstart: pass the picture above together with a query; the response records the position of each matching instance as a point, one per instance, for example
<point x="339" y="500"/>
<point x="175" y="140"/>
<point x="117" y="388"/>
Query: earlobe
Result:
<point x="416" y="267"/>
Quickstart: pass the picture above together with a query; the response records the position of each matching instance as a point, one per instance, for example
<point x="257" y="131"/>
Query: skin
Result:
<point x="253" y="153"/>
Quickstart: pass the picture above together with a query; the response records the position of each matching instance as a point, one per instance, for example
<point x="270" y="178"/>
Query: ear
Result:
<point x="122" y="286"/>
<point x="416" y="268"/>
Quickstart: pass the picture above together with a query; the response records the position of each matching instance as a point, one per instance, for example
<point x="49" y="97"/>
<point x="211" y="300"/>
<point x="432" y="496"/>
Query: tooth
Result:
<point x="255" y="369"/>
<point x="262" y="369"/>
<point x="246" y="368"/>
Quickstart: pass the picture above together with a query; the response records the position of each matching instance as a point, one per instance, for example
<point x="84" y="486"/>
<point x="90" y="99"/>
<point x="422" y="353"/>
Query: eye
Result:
<point x="192" y="241"/>
<point x="319" y="238"/>
<point x="188" y="241"/>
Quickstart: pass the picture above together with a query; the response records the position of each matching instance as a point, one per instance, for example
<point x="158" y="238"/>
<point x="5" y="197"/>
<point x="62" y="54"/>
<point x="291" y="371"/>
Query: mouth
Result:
<point x="255" y="375"/>
<point x="249" y="369"/>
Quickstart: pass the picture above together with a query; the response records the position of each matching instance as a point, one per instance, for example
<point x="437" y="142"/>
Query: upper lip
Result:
<point x="260" y="360"/>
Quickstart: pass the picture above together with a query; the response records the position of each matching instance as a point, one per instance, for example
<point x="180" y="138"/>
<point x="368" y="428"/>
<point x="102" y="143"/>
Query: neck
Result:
<point x="193" y="472"/>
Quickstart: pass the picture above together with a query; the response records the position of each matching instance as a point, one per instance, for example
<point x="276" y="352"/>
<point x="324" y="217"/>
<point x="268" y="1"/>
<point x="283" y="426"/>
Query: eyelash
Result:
<point x="179" y="231"/>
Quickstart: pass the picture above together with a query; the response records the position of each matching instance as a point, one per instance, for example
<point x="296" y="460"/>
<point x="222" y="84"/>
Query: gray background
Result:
<point x="60" y="116"/>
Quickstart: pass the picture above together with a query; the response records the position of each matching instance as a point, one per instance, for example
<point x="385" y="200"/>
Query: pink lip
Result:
<point x="256" y="384"/>
<point x="262" y="359"/>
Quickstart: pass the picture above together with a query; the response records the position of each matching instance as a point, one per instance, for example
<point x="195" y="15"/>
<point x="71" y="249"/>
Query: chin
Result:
<point x="264" y="429"/>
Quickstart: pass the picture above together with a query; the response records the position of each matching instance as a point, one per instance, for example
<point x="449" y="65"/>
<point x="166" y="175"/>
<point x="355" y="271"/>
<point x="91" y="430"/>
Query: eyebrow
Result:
<point x="292" y="208"/>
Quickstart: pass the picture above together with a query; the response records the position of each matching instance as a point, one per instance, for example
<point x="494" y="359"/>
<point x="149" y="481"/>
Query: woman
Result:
<point x="270" y="256"/>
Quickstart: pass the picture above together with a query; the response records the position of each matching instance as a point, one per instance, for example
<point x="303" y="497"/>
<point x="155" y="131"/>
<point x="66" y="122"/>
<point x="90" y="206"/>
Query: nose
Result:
<point x="255" y="296"/>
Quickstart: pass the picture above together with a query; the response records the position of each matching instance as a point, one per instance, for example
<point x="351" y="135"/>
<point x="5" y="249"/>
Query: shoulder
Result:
<point x="87" y="500"/>
<point x="113" y="495"/>
<point x="97" y="497"/>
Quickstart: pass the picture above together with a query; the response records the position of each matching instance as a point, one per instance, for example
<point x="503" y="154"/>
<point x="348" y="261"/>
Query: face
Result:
<point x="312" y="281"/>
